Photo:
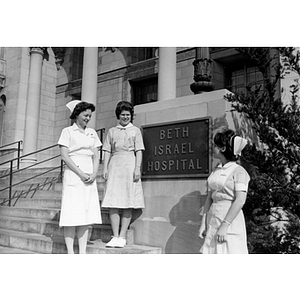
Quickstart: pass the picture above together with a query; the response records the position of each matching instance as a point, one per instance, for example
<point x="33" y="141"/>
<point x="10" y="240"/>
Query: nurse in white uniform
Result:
<point x="80" y="205"/>
<point x="223" y="225"/>
<point x="123" y="147"/>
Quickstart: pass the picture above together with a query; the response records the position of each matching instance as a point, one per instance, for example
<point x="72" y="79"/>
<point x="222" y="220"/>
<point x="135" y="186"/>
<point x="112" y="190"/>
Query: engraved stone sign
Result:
<point x="176" y="150"/>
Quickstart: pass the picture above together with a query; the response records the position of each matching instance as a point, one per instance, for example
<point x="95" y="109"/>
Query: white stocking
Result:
<point x="69" y="233"/>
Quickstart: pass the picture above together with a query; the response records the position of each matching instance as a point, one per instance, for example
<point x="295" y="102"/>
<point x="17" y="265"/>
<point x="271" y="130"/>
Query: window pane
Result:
<point x="142" y="53"/>
<point x="243" y="77"/>
<point x="144" y="91"/>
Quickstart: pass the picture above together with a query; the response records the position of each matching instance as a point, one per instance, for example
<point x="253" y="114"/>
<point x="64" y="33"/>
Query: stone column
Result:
<point x="89" y="79"/>
<point x="167" y="73"/>
<point x="202" y="72"/>
<point x="33" y="104"/>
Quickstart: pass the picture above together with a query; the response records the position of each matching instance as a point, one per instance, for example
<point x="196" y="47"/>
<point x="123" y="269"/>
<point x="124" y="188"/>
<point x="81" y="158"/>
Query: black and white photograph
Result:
<point x="176" y="140"/>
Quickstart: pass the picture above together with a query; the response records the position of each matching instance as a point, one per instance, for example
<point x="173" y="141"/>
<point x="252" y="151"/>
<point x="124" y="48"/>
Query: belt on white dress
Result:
<point x="123" y="153"/>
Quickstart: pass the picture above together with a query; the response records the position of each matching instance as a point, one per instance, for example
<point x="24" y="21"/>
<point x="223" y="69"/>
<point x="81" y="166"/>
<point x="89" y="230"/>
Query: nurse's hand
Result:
<point x="136" y="174"/>
<point x="222" y="232"/>
<point x="87" y="178"/>
<point x="105" y="174"/>
<point x="92" y="178"/>
<point x="202" y="231"/>
<point x="84" y="176"/>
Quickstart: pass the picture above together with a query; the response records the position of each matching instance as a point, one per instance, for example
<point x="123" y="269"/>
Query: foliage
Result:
<point x="274" y="188"/>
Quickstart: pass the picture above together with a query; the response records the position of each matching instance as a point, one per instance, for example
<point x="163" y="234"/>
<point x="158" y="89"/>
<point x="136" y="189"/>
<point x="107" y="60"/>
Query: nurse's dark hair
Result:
<point x="223" y="140"/>
<point x="124" y="105"/>
<point x="80" y="107"/>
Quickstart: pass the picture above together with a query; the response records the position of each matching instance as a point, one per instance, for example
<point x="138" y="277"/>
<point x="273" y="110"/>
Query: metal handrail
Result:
<point x="17" y="142"/>
<point x="10" y="174"/>
<point x="19" y="149"/>
<point x="102" y="130"/>
<point x="31" y="153"/>
<point x="31" y="188"/>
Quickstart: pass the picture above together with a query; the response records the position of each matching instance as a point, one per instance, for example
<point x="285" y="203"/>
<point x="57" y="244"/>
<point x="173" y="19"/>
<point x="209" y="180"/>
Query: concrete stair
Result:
<point x="30" y="225"/>
<point x="8" y="250"/>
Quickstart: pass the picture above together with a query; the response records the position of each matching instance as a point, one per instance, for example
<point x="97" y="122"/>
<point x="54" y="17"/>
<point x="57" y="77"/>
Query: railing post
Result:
<point x="61" y="170"/>
<point x="19" y="152"/>
<point x="101" y="139"/>
<point x="10" y="182"/>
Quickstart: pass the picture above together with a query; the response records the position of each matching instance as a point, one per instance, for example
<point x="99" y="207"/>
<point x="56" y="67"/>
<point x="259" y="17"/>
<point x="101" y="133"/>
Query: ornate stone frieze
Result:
<point x="141" y="66"/>
<point x="112" y="74"/>
<point x="186" y="54"/>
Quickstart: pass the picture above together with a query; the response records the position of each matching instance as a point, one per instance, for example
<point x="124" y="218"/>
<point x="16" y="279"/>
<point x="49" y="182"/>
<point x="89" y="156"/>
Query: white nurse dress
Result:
<point x="80" y="202"/>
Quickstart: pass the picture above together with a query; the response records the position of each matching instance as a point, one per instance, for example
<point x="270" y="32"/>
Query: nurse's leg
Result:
<point x="82" y="234"/>
<point x="114" y="220"/>
<point x="126" y="218"/>
<point x="69" y="234"/>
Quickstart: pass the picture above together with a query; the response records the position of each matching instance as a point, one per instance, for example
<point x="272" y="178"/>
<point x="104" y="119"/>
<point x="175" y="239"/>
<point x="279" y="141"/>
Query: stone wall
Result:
<point x="171" y="218"/>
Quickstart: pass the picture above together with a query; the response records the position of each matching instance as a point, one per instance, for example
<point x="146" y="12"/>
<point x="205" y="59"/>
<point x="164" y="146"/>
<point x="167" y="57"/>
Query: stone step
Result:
<point x="31" y="224"/>
<point x="8" y="250"/>
<point x="45" y="194"/>
<point x="45" y="213"/>
<point x="38" y="202"/>
<point x="42" y="173"/>
<point x="26" y="189"/>
<point x="43" y="244"/>
<point x="31" y="171"/>
<point x="51" y="228"/>
<point x="29" y="212"/>
<point x="44" y="186"/>
<point x="100" y="185"/>
<point x="32" y="176"/>
<point x="32" y="196"/>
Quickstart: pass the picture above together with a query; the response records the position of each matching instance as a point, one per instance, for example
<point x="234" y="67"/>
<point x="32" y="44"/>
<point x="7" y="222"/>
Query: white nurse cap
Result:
<point x="238" y="144"/>
<point x="71" y="105"/>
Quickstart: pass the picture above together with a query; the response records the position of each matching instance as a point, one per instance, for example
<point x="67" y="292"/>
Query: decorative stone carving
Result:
<point x="2" y="73"/>
<point x="202" y="69"/>
<point x="59" y="53"/>
<point x="40" y="50"/>
<point x="2" y="81"/>
<point x="112" y="49"/>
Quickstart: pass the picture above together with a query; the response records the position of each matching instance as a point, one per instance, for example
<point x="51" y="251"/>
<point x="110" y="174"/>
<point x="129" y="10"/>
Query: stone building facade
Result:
<point x="166" y="85"/>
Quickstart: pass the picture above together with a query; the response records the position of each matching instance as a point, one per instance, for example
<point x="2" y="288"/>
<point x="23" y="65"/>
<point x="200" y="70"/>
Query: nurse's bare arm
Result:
<point x="71" y="165"/>
<point x="235" y="208"/>
<point x="105" y="164"/>
<point x="207" y="205"/>
<point x="137" y="169"/>
<point x="237" y="205"/>
<point x="95" y="165"/>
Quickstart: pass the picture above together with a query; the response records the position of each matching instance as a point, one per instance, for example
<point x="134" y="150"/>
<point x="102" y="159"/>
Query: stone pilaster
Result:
<point x="167" y="73"/>
<point x="33" y="104"/>
<point x="89" y="79"/>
